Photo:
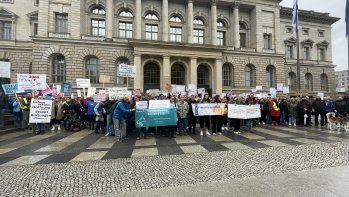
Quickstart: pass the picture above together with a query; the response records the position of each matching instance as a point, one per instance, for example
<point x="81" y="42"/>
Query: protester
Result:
<point x="91" y="113"/>
<point x="319" y="110"/>
<point x="26" y="110"/>
<point x="205" y="120"/>
<point x="120" y="115"/>
<point x="182" y="110"/>
<point x="56" y="114"/>
<point x="274" y="111"/>
<point x="17" y="113"/>
<point x="3" y="107"/>
<point x="99" y="111"/>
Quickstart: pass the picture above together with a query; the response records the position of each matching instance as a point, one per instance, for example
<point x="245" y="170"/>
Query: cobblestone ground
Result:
<point x="103" y="177"/>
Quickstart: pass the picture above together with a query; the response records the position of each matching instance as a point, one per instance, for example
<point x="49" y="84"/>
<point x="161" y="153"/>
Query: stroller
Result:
<point x="74" y="121"/>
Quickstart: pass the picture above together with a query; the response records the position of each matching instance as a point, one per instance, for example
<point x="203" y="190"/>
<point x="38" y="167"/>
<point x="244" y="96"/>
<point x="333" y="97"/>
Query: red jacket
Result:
<point x="274" y="109"/>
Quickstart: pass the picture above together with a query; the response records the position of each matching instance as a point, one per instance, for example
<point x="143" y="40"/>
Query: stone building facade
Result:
<point x="216" y="44"/>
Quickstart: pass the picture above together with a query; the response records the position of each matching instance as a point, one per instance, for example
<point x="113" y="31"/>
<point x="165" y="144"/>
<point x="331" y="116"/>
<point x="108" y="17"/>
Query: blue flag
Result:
<point x="347" y="17"/>
<point x="295" y="15"/>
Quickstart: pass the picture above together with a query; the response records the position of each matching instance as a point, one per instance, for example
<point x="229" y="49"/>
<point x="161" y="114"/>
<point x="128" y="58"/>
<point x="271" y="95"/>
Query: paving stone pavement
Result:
<point x="112" y="177"/>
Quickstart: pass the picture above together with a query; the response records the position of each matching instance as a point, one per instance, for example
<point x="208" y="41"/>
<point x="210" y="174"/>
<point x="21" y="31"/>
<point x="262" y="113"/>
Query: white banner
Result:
<point x="40" y="111"/>
<point x="117" y="93"/>
<point x="159" y="104"/>
<point x="141" y="104"/>
<point x="286" y="90"/>
<point x="31" y="81"/>
<point x="279" y="86"/>
<point x="83" y="83"/>
<point x="244" y="111"/>
<point x="5" y="69"/>
<point x="126" y="70"/>
<point x="99" y="97"/>
<point x="208" y="109"/>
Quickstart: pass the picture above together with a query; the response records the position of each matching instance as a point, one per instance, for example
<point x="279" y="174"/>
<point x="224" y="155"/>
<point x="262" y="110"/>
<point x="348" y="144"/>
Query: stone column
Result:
<point x="138" y="20"/>
<point x="190" y="21"/>
<point x="75" y="28"/>
<point x="43" y="18"/>
<point x="193" y="71"/>
<point x="218" y="76"/>
<point x="165" y="20"/>
<point x="109" y="19"/>
<point x="137" y="60"/>
<point x="166" y="71"/>
<point x="214" y="21"/>
<point x="236" y="25"/>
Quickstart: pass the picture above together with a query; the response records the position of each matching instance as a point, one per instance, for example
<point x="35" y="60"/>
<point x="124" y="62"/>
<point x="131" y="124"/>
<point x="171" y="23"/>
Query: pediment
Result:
<point x="33" y="15"/>
<point x="291" y="40"/>
<point x="308" y="42"/>
<point x="7" y="13"/>
<point x="323" y="44"/>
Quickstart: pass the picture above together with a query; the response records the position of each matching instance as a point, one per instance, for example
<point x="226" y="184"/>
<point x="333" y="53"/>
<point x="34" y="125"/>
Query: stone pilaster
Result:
<point x="193" y="71"/>
<point x="138" y="79"/>
<point x="218" y="76"/>
<point x="165" y="20"/>
<point x="43" y="18"/>
<point x="236" y="25"/>
<point x="75" y="13"/>
<point x="109" y="19"/>
<point x="214" y="21"/>
<point x="166" y="71"/>
<point x="138" y="20"/>
<point x="190" y="21"/>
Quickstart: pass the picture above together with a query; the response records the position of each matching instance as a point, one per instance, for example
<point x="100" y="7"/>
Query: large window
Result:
<point x="98" y="27"/>
<point x="306" y="53"/>
<point x="249" y="75"/>
<point x="270" y="76"/>
<point x="267" y="41"/>
<point x="92" y="69"/>
<point x="324" y="82"/>
<point x="227" y="75"/>
<point x="292" y="81"/>
<point x="243" y="40"/>
<point x="308" y="82"/>
<point x="199" y="36"/>
<point x="177" y="74"/>
<point x="176" y="34"/>
<point x="243" y="31"/>
<point x="121" y="80"/>
<point x="203" y="76"/>
<point x="289" y="52"/>
<point x="151" y="32"/>
<point x="322" y="54"/>
<point x="58" y="69"/>
<point x="61" y="23"/>
<point x="125" y="30"/>
<point x="221" y="38"/>
<point x="5" y="30"/>
<point x="151" y="76"/>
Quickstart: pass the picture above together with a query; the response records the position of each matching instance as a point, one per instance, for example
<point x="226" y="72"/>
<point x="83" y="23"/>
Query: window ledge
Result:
<point x="268" y="50"/>
<point x="247" y="50"/>
<point x="121" y="39"/>
<point x="58" y="35"/>
<point x="95" y="38"/>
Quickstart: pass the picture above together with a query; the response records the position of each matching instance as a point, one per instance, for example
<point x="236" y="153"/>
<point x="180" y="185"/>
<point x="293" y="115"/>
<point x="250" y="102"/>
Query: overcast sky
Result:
<point x="339" y="42"/>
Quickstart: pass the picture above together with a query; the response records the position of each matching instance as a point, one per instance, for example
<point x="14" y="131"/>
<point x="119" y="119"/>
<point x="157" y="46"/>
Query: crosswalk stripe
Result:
<point x="306" y="141"/>
<point x="146" y="142"/>
<point x="27" y="141"/>
<point x="145" y="152"/>
<point x="273" y="143"/>
<point x="193" y="149"/>
<point x="65" y="142"/>
<point x="252" y="136"/>
<point x="89" y="156"/>
<point x="274" y="133"/>
<point x="235" y="146"/>
<point x="103" y="142"/>
<point x="295" y="130"/>
<point x="184" y="140"/>
<point x="26" y="160"/>
<point x="11" y="135"/>
<point x="6" y="150"/>
<point x="220" y="138"/>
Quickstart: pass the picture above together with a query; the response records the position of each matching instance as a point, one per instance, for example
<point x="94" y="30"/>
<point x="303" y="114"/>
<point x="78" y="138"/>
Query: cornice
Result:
<point x="309" y="16"/>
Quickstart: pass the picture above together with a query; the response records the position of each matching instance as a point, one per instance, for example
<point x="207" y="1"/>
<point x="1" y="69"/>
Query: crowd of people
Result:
<point x="117" y="118"/>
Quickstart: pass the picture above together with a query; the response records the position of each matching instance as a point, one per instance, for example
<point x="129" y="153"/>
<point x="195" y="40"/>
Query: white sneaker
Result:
<point x="294" y="125"/>
<point x="201" y="133"/>
<point x="219" y="133"/>
<point x="289" y="124"/>
<point x="106" y="135"/>
<point x="59" y="127"/>
<point x="53" y="128"/>
<point x="214" y="134"/>
<point x="208" y="133"/>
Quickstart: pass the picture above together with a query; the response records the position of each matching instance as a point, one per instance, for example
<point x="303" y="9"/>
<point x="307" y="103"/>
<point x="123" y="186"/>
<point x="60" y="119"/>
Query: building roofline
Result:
<point x="309" y="16"/>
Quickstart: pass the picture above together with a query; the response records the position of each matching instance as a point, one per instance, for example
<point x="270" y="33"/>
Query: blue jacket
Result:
<point x="16" y="106"/>
<point x="90" y="107"/>
<point x="122" y="110"/>
<point x="328" y="106"/>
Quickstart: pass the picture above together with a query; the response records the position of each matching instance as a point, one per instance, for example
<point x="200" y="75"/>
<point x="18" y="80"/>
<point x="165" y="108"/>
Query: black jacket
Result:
<point x="3" y="101"/>
<point x="318" y="105"/>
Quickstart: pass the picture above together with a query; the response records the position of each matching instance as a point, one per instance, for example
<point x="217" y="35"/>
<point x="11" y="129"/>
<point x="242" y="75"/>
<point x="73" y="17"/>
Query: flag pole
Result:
<point x="298" y="65"/>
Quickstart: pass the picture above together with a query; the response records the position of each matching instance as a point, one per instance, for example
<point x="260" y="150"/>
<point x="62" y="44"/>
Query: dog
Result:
<point x="341" y="120"/>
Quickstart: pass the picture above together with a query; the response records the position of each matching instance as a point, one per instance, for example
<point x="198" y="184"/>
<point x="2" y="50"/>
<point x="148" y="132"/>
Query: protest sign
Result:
<point x="5" y="69"/>
<point x="102" y="92"/>
<point x="31" y="81"/>
<point x="272" y="91"/>
<point x="155" y="92"/>
<point x="126" y="70"/>
<point x="136" y="92"/>
<point x="191" y="88"/>
<point x="244" y="111"/>
<point x="104" y="79"/>
<point x="66" y="88"/>
<point x="253" y="90"/>
<point x="47" y="90"/>
<point x="156" y="117"/>
<point x="192" y="93"/>
<point x="180" y="88"/>
<point x="168" y="87"/>
<point x="279" y="87"/>
<point x="259" y="88"/>
<point x="321" y="95"/>
<point x="91" y="91"/>
<point x="201" y="90"/>
<point x="83" y="83"/>
<point x="79" y="93"/>
<point x="117" y="93"/>
<point x="286" y="90"/>
<point x="141" y="105"/>
<point x="159" y="104"/>
<point x="208" y="109"/>
<point x="99" y="97"/>
<point x="40" y="111"/>
<point x="11" y="88"/>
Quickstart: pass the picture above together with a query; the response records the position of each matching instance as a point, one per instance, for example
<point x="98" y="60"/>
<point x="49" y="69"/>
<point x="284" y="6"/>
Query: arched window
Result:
<point x="178" y="74"/>
<point x="126" y="13"/>
<point x="92" y="69"/>
<point x="176" y="29"/>
<point x="270" y="76"/>
<point x="292" y="81"/>
<point x="227" y="73"/>
<point x="175" y="19"/>
<point x="151" y="16"/>
<point x="199" y="31"/>
<point x="243" y="32"/>
<point x="324" y="82"/>
<point x="220" y="24"/>
<point x="125" y="24"/>
<point x="249" y="75"/>
<point x="121" y="80"/>
<point x="308" y="82"/>
<point x="198" y="21"/>
<point x="98" y="21"/>
<point x="151" y="26"/>
<point x="221" y="32"/>
<point x="151" y="76"/>
<point x="203" y="76"/>
<point x="58" y="69"/>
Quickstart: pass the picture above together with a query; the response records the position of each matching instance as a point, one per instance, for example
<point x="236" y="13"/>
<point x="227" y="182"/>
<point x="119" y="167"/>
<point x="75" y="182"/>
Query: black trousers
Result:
<point x="192" y="120"/>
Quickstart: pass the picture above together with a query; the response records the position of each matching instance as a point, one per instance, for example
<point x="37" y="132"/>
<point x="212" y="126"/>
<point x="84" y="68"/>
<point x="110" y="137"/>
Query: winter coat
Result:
<point x="292" y="109"/>
<point x="16" y="106"/>
<point x="340" y="106"/>
<point x="182" y="109"/>
<point x="90" y="107"/>
<point x="122" y="110"/>
<point x="274" y="109"/>
<point x="99" y="111"/>
<point x="328" y="106"/>
<point x="57" y="111"/>
<point x="318" y="105"/>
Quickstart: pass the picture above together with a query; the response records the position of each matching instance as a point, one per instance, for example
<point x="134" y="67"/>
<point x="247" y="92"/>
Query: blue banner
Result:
<point x="156" y="117"/>
<point x="66" y="88"/>
<point x="11" y="88"/>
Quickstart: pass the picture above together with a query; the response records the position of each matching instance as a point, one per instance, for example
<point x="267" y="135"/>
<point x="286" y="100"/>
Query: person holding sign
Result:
<point x="182" y="109"/>
<point x="17" y="113"/>
<point x="120" y="116"/>
<point x="205" y="120"/>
